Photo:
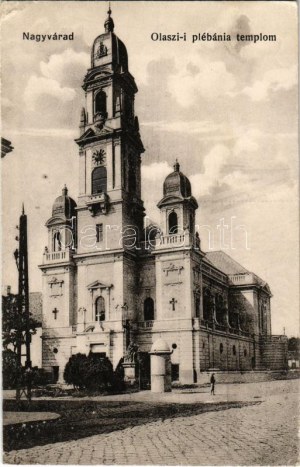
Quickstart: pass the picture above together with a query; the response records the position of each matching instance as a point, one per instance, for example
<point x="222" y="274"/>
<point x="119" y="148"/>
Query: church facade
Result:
<point x="109" y="281"/>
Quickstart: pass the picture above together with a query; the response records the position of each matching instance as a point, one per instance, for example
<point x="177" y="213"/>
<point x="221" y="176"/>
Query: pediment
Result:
<point x="98" y="285"/>
<point x="89" y="133"/>
<point x="170" y="199"/>
<point x="104" y="131"/>
<point x="56" y="220"/>
<point x="97" y="73"/>
<point x="266" y="288"/>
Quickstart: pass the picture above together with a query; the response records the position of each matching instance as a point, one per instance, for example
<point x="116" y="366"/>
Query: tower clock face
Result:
<point x="99" y="156"/>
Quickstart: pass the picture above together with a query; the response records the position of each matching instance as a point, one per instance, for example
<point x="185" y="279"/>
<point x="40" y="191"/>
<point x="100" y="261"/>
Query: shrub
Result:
<point x="118" y="383"/>
<point x="75" y="370"/>
<point x="11" y="369"/>
<point x="89" y="372"/>
<point x="39" y="377"/>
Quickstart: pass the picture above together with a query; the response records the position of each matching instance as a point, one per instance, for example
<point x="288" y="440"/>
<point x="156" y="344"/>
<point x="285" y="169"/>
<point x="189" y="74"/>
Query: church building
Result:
<point x="109" y="281"/>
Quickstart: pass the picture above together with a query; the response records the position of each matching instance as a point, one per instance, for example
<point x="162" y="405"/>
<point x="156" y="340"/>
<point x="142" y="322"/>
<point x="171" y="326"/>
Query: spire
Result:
<point x="176" y="166"/>
<point x="65" y="190"/>
<point x="109" y="23"/>
<point x="23" y="210"/>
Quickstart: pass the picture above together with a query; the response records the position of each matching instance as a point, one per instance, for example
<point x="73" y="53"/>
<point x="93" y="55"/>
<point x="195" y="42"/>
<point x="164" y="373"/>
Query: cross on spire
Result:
<point x="55" y="311"/>
<point x="172" y="302"/>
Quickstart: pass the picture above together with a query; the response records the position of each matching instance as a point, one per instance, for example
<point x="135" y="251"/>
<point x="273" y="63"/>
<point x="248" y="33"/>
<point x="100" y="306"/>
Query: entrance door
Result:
<point x="144" y="370"/>
<point x="55" y="373"/>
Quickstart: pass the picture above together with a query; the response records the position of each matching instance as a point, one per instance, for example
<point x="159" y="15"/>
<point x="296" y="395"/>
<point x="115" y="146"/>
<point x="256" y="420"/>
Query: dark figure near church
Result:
<point x="212" y="384"/>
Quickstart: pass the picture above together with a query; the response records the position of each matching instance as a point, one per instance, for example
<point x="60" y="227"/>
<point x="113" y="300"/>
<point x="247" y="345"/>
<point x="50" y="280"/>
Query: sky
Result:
<point x="226" y="110"/>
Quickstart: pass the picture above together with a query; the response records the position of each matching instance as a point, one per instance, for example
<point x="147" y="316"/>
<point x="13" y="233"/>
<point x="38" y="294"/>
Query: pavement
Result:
<point x="260" y="434"/>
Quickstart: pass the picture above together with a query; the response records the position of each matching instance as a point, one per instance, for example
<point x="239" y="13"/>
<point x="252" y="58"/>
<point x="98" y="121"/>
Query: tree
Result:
<point x="294" y="344"/>
<point x="11" y="369"/>
<point x="13" y="323"/>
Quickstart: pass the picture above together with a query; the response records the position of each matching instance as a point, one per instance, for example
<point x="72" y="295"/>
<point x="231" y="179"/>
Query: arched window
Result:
<point x="220" y="309"/>
<point x="221" y="348"/>
<point x="207" y="306"/>
<point x="99" y="180"/>
<point x="57" y="241"/>
<point x="100" y="103"/>
<point x="100" y="309"/>
<point x="173" y="223"/>
<point x="148" y="309"/>
<point x="197" y="305"/>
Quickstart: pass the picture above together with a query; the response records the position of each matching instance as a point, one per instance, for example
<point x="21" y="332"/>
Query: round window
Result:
<point x="55" y="350"/>
<point x="174" y="346"/>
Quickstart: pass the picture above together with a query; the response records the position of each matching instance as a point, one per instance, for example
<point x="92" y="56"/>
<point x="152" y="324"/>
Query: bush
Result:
<point x="39" y="377"/>
<point x="90" y="372"/>
<point x="11" y="370"/>
<point x="118" y="378"/>
<point x="75" y="370"/>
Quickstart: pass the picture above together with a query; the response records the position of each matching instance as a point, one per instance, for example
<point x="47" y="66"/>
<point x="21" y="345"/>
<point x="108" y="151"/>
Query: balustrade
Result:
<point x="57" y="256"/>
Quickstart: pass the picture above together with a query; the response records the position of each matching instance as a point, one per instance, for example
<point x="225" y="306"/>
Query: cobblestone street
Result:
<point x="261" y="434"/>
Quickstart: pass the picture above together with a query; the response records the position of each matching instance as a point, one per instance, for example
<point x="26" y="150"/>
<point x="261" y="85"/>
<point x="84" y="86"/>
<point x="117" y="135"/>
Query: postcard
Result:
<point x="150" y="232"/>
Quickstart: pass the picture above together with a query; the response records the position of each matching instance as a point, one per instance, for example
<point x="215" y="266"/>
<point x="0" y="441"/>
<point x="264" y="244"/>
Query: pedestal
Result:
<point x="129" y="373"/>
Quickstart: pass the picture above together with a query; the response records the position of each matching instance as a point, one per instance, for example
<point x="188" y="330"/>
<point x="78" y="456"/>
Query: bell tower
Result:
<point x="177" y="206"/>
<point x="110" y="148"/>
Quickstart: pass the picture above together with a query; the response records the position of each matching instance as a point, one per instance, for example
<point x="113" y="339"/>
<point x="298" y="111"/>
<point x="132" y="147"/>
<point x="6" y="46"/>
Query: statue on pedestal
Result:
<point x="131" y="353"/>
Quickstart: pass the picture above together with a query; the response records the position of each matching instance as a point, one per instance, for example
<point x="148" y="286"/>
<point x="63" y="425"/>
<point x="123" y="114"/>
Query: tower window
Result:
<point x="99" y="180"/>
<point x="99" y="232"/>
<point x="221" y="348"/>
<point x="149" y="309"/>
<point x="100" y="309"/>
<point x="234" y="350"/>
<point x="100" y="103"/>
<point x="57" y="241"/>
<point x="173" y="223"/>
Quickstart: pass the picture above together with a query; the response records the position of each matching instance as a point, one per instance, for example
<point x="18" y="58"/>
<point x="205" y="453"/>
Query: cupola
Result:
<point x="64" y="205"/>
<point x="176" y="183"/>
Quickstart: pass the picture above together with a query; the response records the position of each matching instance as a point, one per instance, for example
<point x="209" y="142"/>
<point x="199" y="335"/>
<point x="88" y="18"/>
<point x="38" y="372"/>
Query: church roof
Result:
<point x="224" y="262"/>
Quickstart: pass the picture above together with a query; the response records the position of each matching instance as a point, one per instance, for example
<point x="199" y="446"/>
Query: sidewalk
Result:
<point x="223" y="393"/>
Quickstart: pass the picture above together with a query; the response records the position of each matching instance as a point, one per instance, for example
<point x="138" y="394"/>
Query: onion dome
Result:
<point x="177" y="184"/>
<point x="109" y="50"/>
<point x="160" y="346"/>
<point x="64" y="206"/>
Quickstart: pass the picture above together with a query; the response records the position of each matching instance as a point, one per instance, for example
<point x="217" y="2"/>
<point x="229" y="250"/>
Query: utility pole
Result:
<point x="23" y="336"/>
